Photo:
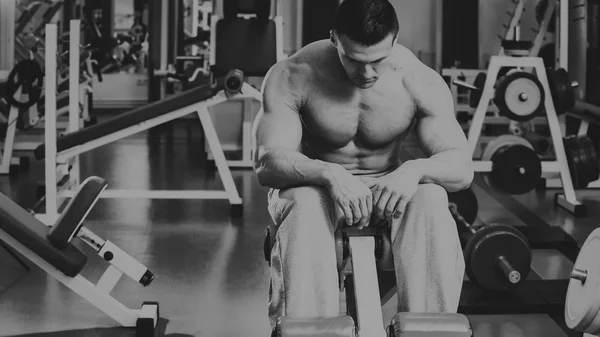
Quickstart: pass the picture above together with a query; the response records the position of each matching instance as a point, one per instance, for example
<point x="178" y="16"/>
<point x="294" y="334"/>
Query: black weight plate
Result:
<point x="504" y="70"/>
<point x="589" y="158"/>
<point x="475" y="95"/>
<point x="516" y="44"/>
<point x="466" y="203"/>
<point x="567" y="91"/>
<point x="516" y="169"/>
<point x="574" y="162"/>
<point x="486" y="246"/>
<point x="28" y="76"/>
<point x="563" y="94"/>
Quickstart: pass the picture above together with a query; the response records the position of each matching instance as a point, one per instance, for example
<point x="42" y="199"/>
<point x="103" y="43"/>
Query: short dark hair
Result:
<point x="367" y="22"/>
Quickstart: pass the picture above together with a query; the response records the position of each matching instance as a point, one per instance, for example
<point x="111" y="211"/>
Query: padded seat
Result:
<point x="245" y="44"/>
<point x="29" y="231"/>
<point x="131" y="118"/>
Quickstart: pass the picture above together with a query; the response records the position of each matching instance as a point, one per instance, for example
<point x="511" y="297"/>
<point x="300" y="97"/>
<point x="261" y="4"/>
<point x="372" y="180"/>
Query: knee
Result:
<point x="308" y="209"/>
<point x="306" y="197"/>
<point x="431" y="197"/>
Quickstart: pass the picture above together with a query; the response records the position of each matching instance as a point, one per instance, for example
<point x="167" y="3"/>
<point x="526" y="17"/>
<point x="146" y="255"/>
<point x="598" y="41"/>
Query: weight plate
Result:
<point x="484" y="249"/>
<point x="516" y="168"/>
<point x="519" y="96"/>
<point x="589" y="158"/>
<point x="475" y="95"/>
<point x="576" y="160"/>
<point x="563" y="94"/>
<point x="29" y="77"/>
<point x="582" y="303"/>
<point x="466" y="204"/>
<point x="501" y="141"/>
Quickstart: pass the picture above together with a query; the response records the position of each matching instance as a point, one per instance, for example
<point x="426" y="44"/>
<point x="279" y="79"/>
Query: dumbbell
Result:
<point x="497" y="256"/>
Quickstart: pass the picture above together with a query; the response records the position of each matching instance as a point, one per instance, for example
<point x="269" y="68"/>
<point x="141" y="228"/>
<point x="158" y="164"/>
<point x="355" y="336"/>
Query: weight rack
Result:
<point x="534" y="295"/>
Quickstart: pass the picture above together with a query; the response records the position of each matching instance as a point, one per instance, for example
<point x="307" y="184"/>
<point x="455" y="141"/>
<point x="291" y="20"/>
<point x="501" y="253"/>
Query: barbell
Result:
<point x="520" y="96"/>
<point x="497" y="256"/>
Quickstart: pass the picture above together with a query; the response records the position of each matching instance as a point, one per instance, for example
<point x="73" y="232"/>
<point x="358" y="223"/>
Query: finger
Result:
<point x="392" y="204"/>
<point x="364" y="212"/>
<point x="400" y="208"/>
<point x="390" y="207"/>
<point x="376" y="195"/>
<point x="369" y="206"/>
<point x="347" y="213"/>
<point x="355" y="205"/>
<point x="382" y="203"/>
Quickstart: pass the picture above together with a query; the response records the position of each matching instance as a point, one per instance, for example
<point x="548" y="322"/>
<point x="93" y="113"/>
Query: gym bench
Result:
<point x="357" y="252"/>
<point x="52" y="250"/>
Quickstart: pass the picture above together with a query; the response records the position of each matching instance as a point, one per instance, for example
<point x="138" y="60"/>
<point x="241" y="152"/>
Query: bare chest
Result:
<point x="373" y="118"/>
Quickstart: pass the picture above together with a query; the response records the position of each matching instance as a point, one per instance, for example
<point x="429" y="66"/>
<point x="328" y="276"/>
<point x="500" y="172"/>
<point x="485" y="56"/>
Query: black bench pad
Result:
<point x="33" y="234"/>
<point x="131" y="118"/>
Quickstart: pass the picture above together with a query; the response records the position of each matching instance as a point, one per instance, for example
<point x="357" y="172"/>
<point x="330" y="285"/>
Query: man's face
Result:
<point x="363" y="65"/>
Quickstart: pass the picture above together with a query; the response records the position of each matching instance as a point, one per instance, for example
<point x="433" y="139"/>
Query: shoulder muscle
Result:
<point x="428" y="89"/>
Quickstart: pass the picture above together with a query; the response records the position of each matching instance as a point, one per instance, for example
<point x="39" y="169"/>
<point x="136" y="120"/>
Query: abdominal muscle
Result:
<point x="363" y="161"/>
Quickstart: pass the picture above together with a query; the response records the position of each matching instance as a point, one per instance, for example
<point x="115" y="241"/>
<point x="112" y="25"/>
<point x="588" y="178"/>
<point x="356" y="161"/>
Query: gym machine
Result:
<point x="61" y="153"/>
<point x="54" y="251"/>
<point x="522" y="96"/>
<point x="22" y="109"/>
<point x="358" y="252"/>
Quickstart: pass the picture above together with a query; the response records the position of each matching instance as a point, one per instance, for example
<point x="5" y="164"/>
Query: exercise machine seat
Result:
<point x="77" y="209"/>
<point x="131" y="118"/>
<point x="30" y="232"/>
<point x="380" y="231"/>
<point x="245" y="44"/>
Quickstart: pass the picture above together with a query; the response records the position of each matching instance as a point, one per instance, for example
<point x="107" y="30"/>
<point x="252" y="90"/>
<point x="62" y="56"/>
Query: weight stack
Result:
<point x="460" y="40"/>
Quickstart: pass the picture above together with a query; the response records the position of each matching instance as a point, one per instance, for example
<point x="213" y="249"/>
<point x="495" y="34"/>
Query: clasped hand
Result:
<point x="385" y="197"/>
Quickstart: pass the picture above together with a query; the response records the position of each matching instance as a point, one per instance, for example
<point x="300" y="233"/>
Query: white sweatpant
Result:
<point x="428" y="258"/>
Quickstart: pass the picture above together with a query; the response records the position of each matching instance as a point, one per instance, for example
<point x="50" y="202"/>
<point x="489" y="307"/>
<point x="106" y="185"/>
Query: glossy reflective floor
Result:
<point x="211" y="278"/>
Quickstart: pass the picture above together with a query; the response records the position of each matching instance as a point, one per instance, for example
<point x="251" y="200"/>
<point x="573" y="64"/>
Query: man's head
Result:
<point x="364" y="33"/>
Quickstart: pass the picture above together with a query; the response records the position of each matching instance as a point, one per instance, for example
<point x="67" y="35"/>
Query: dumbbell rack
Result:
<point x="569" y="199"/>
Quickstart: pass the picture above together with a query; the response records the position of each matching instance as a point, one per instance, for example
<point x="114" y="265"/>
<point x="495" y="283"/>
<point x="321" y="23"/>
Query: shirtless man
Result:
<point x="326" y="143"/>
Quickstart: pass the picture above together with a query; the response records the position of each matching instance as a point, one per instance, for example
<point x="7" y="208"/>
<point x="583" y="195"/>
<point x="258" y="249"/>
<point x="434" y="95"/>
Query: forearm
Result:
<point x="452" y="169"/>
<point x="284" y="168"/>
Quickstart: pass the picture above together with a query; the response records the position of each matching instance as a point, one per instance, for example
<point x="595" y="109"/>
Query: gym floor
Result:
<point x="211" y="277"/>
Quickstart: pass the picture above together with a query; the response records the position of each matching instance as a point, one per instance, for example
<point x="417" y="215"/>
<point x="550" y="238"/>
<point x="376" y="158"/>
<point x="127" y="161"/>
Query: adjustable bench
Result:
<point x="61" y="154"/>
<point x="52" y="250"/>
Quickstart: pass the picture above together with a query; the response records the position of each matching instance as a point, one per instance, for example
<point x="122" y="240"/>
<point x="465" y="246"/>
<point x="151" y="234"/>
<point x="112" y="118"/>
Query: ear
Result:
<point x="332" y="38"/>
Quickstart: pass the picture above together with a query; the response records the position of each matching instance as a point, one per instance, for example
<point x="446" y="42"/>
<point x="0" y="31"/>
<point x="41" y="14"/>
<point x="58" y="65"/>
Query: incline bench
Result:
<point x="51" y="249"/>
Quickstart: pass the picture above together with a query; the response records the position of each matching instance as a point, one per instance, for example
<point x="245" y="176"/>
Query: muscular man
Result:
<point x="327" y="141"/>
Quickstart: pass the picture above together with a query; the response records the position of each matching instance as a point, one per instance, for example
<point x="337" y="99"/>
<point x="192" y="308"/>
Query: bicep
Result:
<point x="278" y="122"/>
<point x="279" y="126"/>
